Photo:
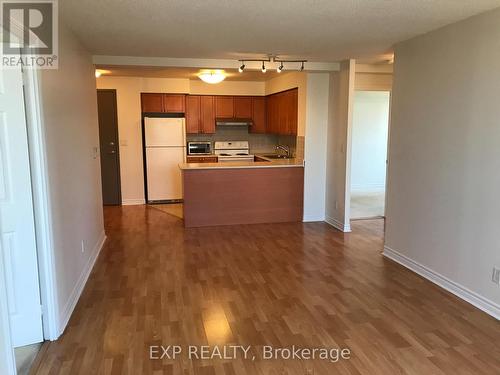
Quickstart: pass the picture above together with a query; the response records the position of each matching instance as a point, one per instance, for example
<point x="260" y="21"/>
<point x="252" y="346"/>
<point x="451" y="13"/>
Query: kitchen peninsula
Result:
<point x="268" y="191"/>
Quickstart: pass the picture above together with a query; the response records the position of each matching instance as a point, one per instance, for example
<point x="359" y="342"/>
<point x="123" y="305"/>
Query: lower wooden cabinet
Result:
<point x="202" y="159"/>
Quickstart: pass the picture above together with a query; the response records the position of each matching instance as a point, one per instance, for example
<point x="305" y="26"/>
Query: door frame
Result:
<point x="117" y="141"/>
<point x="43" y="227"/>
<point x="41" y="203"/>
<point x="349" y="170"/>
<point x="7" y="358"/>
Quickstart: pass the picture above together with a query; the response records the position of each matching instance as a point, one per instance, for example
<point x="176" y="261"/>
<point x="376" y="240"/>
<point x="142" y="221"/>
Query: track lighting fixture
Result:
<point x="273" y="59"/>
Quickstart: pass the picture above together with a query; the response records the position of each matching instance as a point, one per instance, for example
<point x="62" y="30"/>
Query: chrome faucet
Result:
<point x="284" y="148"/>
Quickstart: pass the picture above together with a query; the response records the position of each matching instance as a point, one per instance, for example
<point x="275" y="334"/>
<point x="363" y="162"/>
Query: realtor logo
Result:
<point x="29" y="35"/>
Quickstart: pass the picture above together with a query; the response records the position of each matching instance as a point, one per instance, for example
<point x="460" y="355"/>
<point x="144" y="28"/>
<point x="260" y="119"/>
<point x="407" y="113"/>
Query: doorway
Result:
<point x="370" y="129"/>
<point x="110" y="152"/>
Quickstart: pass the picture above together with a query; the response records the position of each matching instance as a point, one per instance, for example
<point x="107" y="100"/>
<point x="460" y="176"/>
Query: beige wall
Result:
<point x="444" y="161"/>
<point x="128" y="90"/>
<point x="198" y="87"/>
<point x="339" y="147"/>
<point x="373" y="81"/>
<point x="316" y="128"/>
<point x="69" y="110"/>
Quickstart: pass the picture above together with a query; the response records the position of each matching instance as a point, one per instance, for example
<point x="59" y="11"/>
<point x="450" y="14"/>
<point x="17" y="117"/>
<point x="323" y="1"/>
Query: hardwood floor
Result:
<point x="156" y="283"/>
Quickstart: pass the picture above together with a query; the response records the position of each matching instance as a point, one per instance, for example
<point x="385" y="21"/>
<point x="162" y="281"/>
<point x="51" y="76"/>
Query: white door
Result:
<point x="17" y="231"/>
<point x="161" y="132"/>
<point x="164" y="175"/>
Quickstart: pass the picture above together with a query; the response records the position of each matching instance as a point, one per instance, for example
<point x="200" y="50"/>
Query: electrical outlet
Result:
<point x="83" y="246"/>
<point x="496" y="275"/>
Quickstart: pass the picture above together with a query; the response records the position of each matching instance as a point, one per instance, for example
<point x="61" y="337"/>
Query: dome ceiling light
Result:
<point x="212" y="76"/>
<point x="100" y="72"/>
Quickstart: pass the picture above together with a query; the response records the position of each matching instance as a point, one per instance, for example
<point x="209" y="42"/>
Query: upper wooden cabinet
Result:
<point x="152" y="102"/>
<point x="174" y="103"/>
<point x="200" y="114"/>
<point x="224" y="107"/>
<point x="258" y="115"/>
<point x="282" y="112"/>
<point x="242" y="107"/>
<point x="207" y="115"/>
<point x="272" y="125"/>
<point x="193" y="114"/>
<point x="293" y="112"/>
<point x="274" y="114"/>
<point x="163" y="103"/>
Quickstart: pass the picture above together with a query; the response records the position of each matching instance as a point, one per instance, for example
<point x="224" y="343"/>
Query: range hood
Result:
<point x="233" y="122"/>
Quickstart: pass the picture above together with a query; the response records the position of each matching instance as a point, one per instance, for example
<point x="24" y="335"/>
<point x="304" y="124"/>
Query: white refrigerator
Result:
<point x="165" y="142"/>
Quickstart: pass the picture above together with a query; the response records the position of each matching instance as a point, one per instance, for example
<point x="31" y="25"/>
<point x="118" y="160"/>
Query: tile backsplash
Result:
<point x="259" y="143"/>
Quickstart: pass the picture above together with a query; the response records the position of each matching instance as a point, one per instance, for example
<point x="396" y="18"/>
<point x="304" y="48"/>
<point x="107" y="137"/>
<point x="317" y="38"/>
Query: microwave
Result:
<point x="199" y="148"/>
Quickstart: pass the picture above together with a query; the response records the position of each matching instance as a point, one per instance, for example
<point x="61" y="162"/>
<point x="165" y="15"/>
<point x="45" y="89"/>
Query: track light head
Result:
<point x="264" y="67"/>
<point x="280" y="68"/>
<point x="302" y="66"/>
<point x="240" y="69"/>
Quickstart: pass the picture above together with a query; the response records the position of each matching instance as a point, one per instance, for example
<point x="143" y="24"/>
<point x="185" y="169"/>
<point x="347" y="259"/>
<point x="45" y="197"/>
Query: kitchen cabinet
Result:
<point x="258" y="115"/>
<point x="224" y="107"/>
<point x="207" y="115"/>
<point x="272" y="114"/>
<point x="202" y="159"/>
<point x="242" y="107"/>
<point x="163" y="103"/>
<point x="152" y="102"/>
<point x="200" y="115"/>
<point x="282" y="112"/>
<point x="292" y="112"/>
<point x="193" y="114"/>
<point x="173" y="103"/>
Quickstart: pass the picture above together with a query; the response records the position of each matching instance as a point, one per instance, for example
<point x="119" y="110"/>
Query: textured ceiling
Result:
<point x="320" y="30"/>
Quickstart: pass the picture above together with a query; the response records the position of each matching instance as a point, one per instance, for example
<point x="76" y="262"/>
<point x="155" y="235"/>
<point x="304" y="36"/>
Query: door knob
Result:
<point x="111" y="143"/>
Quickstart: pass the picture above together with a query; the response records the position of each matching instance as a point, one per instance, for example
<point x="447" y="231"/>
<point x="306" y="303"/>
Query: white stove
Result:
<point x="233" y="151"/>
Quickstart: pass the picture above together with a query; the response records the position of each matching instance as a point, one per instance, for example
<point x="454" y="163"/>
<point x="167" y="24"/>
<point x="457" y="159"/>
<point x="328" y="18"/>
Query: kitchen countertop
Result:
<point x="270" y="163"/>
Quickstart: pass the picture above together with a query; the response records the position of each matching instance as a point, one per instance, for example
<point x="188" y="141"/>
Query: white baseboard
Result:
<point x="338" y="225"/>
<point x="80" y="284"/>
<point x="133" y="202"/>
<point x="312" y="218"/>
<point x="460" y="291"/>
